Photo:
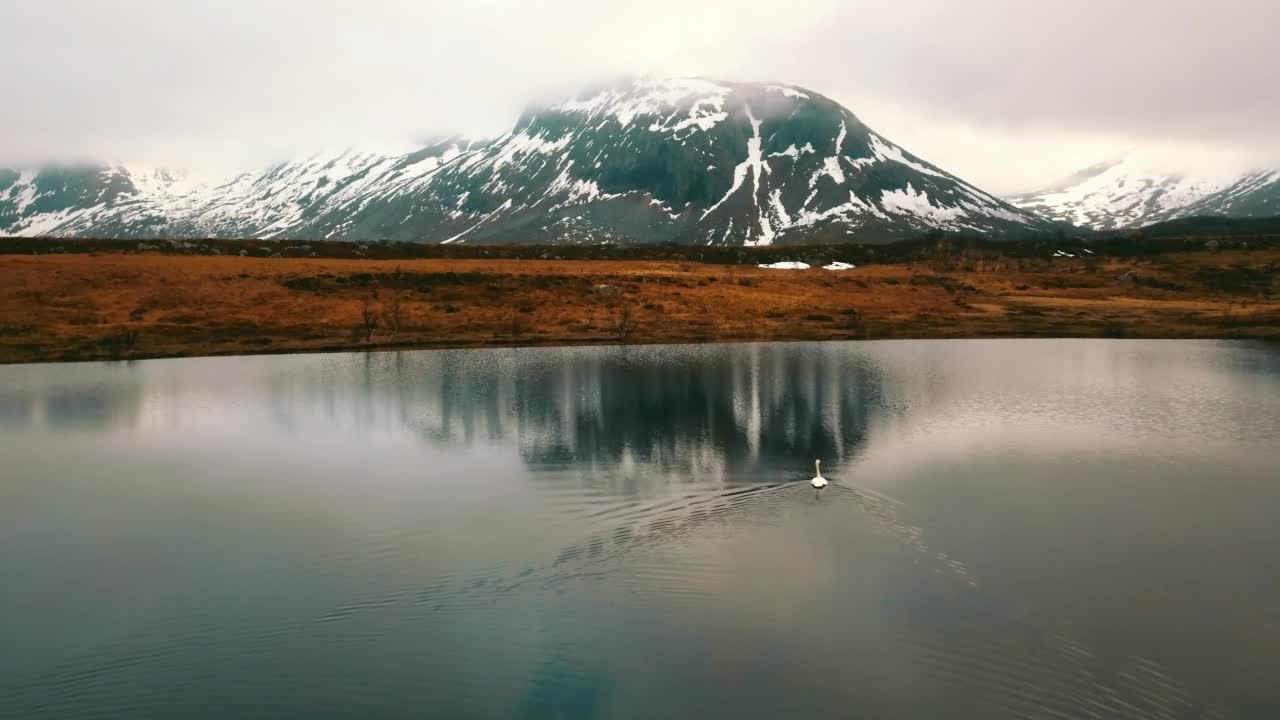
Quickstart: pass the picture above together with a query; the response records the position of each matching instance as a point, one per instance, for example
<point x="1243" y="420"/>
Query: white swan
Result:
<point x="818" y="482"/>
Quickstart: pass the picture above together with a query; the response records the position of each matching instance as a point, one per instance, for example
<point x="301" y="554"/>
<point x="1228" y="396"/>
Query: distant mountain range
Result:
<point x="678" y="160"/>
<point x="1129" y="192"/>
<point x="646" y="161"/>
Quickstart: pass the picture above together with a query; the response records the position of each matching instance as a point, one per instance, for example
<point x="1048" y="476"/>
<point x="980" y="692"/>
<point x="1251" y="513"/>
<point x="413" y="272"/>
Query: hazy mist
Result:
<point x="1009" y="95"/>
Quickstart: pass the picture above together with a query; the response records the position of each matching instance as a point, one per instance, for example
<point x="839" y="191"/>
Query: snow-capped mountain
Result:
<point x="683" y="160"/>
<point x="1132" y="191"/>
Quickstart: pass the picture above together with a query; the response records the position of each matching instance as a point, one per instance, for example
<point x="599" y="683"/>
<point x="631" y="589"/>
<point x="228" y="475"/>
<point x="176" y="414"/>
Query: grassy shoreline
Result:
<point x="125" y="305"/>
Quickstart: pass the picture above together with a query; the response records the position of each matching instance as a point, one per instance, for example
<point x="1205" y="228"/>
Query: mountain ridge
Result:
<point x="683" y="160"/>
<point x="1131" y="191"/>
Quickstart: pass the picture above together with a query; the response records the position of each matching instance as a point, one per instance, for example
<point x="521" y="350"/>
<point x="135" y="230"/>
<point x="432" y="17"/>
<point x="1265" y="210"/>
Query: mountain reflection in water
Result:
<point x="1016" y="528"/>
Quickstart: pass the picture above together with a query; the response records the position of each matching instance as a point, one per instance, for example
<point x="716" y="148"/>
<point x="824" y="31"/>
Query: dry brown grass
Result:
<point x="68" y="307"/>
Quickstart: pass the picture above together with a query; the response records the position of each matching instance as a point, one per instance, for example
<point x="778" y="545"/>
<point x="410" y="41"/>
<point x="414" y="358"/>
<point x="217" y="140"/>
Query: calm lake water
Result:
<point x="1018" y="528"/>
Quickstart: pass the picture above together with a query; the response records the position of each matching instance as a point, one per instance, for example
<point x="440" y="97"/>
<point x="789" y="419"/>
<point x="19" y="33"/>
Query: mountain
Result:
<point x="1213" y="226"/>
<point x="646" y="161"/>
<point x="1132" y="192"/>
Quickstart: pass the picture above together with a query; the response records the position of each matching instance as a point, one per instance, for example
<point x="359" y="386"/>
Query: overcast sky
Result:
<point x="1008" y="94"/>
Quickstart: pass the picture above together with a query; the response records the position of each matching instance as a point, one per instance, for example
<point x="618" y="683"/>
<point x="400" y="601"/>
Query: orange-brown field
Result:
<point x="112" y="306"/>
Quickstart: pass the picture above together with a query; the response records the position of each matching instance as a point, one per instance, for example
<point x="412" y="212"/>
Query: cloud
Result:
<point x="1004" y="93"/>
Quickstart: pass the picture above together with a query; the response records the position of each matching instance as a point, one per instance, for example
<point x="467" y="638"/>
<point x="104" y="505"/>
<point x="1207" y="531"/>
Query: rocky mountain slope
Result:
<point x="1132" y="192"/>
<point x="675" y="160"/>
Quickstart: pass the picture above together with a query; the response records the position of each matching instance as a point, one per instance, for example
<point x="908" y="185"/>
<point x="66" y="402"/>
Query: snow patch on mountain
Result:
<point x="788" y="91"/>
<point x="655" y="97"/>
<point x="22" y="192"/>
<point x="884" y="151"/>
<point x="792" y="151"/>
<point x="501" y="209"/>
<point x="1138" y="189"/>
<point x="911" y="202"/>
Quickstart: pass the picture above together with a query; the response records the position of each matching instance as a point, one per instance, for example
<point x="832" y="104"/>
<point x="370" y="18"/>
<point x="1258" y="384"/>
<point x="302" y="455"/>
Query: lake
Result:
<point x="1015" y="528"/>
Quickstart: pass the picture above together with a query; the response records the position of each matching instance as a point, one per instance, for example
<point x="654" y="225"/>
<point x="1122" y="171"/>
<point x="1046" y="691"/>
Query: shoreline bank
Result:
<point x="117" y="306"/>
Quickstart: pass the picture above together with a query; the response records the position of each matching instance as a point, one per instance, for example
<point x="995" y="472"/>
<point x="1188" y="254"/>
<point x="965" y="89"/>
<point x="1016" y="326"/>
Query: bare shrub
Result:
<point x="393" y="310"/>
<point x="854" y="323"/>
<point x="519" y="324"/>
<point x="368" y="318"/>
<point x="119" y="344"/>
<point x="942" y="257"/>
<point x="625" y="320"/>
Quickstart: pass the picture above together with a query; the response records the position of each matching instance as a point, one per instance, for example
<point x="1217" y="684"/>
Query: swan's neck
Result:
<point x="817" y="467"/>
